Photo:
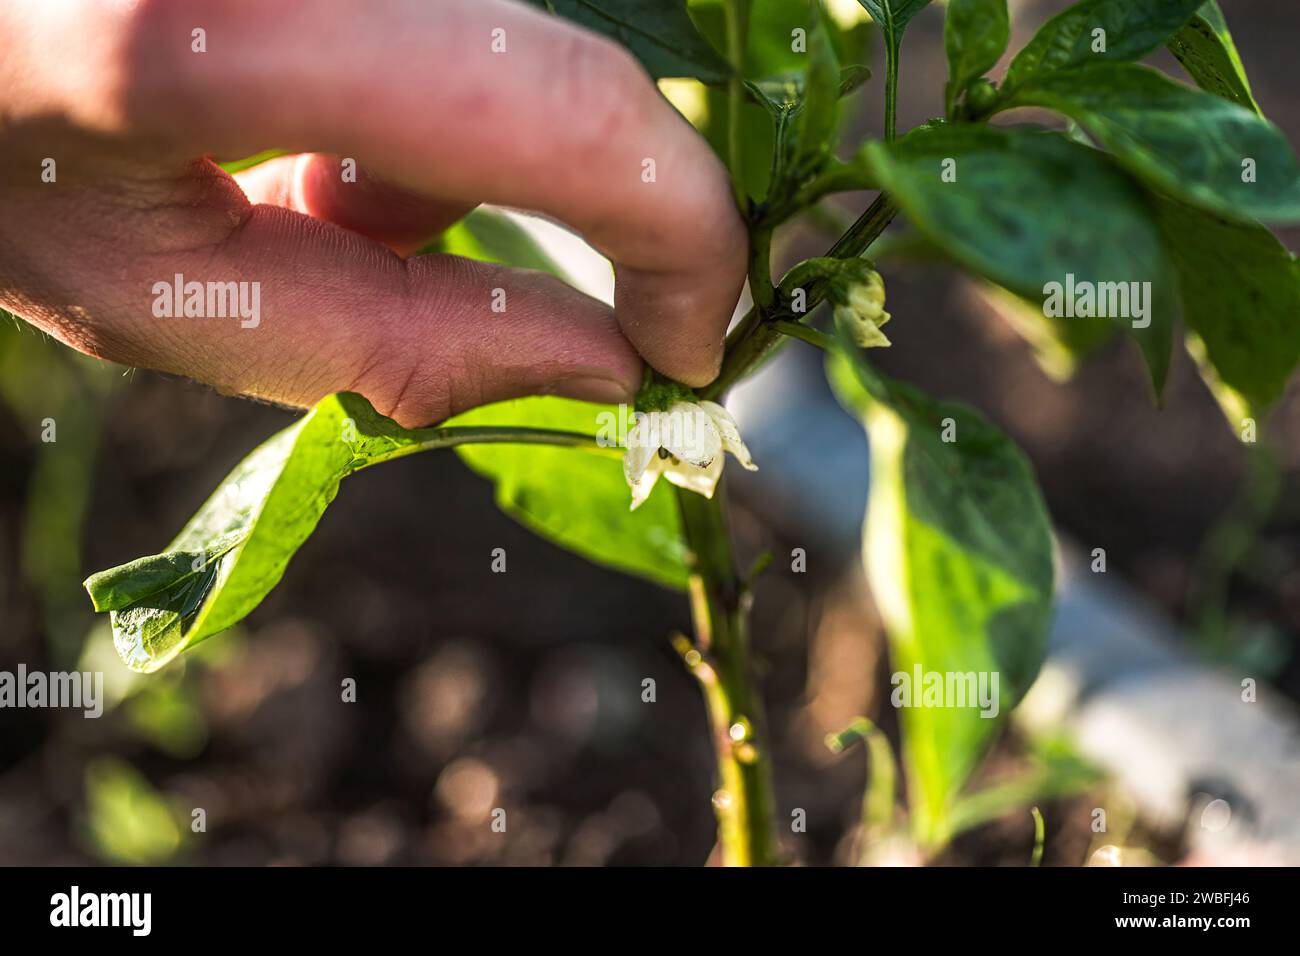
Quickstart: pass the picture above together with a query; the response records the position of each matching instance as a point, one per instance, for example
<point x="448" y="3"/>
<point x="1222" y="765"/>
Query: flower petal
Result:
<point x="642" y="447"/>
<point x="642" y="487"/>
<point x="730" y="434"/>
<point x="702" y="481"/>
<point x="687" y="431"/>
<point x="869" y="335"/>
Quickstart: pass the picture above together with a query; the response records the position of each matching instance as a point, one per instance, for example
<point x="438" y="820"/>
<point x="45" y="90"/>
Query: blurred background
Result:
<point x="523" y="691"/>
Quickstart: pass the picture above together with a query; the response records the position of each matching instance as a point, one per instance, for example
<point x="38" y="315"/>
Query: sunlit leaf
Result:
<point x="958" y="551"/>
<point x="236" y="547"/>
<point x="1207" y="52"/>
<point x="579" y="501"/>
<point x="1241" y="300"/>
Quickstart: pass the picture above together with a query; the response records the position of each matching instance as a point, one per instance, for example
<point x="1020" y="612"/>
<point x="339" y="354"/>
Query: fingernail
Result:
<point x="593" y="389"/>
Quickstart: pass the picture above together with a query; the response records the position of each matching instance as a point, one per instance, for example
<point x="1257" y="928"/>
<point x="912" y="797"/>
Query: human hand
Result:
<point x="437" y="122"/>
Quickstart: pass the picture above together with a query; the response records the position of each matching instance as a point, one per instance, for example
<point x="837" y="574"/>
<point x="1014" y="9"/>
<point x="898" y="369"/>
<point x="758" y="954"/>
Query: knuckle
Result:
<point x="599" y="86"/>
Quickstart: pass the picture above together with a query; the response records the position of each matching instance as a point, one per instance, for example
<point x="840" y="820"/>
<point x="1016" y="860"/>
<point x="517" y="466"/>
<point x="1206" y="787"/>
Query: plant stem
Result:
<point x="797" y="330"/>
<point x="754" y="339"/>
<point x="720" y="660"/>
<point x="737" y="26"/>
<point x="891" y="91"/>
<point x="760" y="271"/>
<point x="434" y="438"/>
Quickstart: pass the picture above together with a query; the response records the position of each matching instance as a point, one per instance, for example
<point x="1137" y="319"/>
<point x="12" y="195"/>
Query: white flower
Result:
<point x="862" y="310"/>
<point x="685" y="444"/>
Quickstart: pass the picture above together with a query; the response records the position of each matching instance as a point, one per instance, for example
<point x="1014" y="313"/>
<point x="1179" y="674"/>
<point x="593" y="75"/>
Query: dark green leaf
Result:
<point x="1205" y="49"/>
<point x="658" y="32"/>
<point x="1029" y="208"/>
<point x="1241" y="299"/>
<point x="579" y="501"/>
<point x="975" y="33"/>
<point x="893" y="16"/>
<point x="1192" y="145"/>
<point x="1131" y="30"/>
<point x="235" y="549"/>
<point x="958" y="552"/>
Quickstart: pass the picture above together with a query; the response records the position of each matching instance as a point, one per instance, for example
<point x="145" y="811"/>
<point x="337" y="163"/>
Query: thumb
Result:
<point x="422" y="338"/>
<point x="475" y="333"/>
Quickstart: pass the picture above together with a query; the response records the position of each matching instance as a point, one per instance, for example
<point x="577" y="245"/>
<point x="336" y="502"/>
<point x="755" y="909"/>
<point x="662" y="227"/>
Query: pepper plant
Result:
<point x="1132" y="179"/>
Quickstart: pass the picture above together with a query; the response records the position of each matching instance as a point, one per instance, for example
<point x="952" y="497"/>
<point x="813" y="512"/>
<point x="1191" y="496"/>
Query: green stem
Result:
<point x="743" y="801"/>
<point x="760" y="271"/>
<point x="754" y="339"/>
<point x="1228" y="544"/>
<point x="434" y="438"/>
<point x="891" y="92"/>
<point x="720" y="660"/>
<point x="737" y="27"/>
<point x="797" y="330"/>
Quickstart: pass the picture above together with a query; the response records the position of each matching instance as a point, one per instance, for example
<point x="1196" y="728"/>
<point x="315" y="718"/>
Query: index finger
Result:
<point x="473" y="100"/>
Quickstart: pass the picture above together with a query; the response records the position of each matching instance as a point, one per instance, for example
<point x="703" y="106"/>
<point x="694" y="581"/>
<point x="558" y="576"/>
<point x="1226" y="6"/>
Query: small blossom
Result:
<point x="861" y="309"/>
<point x="686" y="444"/>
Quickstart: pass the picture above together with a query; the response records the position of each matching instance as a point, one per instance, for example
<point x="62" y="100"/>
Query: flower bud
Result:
<point x="981" y="96"/>
<point x="860" y="308"/>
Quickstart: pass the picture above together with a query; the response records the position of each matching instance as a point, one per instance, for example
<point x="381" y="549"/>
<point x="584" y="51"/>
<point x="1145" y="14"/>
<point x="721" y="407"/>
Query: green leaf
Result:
<point x="893" y="16"/>
<point x="1054" y="771"/>
<point x="1241" y="300"/>
<point x="579" y="501"/>
<point x="1194" y="146"/>
<point x="975" y="32"/>
<point x="770" y="49"/>
<point x="805" y="111"/>
<point x="1131" y="30"/>
<point x="658" y="32"/>
<point x="235" y="549"/>
<point x="491" y="236"/>
<point x="126" y="820"/>
<point x="1205" y="49"/>
<point x="1028" y="208"/>
<point x="818" y="114"/>
<point x="958" y="552"/>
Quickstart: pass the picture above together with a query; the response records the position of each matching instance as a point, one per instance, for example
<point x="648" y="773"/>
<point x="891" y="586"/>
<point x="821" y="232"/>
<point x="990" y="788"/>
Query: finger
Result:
<point x="328" y="188"/>
<point x="562" y="122"/>
<point x="320" y="309"/>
